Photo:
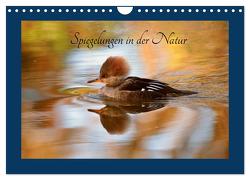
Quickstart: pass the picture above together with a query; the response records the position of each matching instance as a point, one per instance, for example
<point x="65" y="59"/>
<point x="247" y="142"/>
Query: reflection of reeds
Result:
<point x="150" y="130"/>
<point x="165" y="133"/>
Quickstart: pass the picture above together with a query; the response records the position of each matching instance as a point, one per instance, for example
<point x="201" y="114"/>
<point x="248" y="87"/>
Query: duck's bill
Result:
<point x="97" y="111"/>
<point x="94" y="80"/>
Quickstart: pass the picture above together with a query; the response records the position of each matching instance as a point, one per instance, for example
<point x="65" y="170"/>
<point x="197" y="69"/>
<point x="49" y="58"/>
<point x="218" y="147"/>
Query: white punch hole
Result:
<point x="124" y="10"/>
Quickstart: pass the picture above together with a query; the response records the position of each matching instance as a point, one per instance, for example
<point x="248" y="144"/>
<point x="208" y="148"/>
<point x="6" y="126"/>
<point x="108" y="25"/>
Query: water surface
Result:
<point x="64" y="117"/>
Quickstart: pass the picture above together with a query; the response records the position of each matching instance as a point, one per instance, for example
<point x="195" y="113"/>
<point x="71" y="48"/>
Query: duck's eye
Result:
<point x="103" y="76"/>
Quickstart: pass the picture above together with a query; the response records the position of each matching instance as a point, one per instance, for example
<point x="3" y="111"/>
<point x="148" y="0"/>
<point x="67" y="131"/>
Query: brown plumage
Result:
<point x="114" y="66"/>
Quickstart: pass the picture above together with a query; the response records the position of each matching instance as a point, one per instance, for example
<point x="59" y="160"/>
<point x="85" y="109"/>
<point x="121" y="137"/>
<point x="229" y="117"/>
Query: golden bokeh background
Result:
<point x="56" y="124"/>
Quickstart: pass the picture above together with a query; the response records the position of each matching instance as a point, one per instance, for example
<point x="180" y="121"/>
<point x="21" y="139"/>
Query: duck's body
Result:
<point x="113" y="73"/>
<point x="136" y="89"/>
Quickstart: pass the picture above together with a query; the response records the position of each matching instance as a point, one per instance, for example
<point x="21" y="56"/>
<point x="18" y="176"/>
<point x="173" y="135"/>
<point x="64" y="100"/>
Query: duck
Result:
<point x="121" y="87"/>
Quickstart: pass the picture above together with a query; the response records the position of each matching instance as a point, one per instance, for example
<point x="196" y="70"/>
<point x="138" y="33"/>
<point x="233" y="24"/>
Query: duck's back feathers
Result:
<point x="147" y="85"/>
<point x="134" y="89"/>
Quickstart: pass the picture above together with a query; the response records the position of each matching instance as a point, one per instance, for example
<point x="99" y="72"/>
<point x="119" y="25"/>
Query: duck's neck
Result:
<point x="114" y="81"/>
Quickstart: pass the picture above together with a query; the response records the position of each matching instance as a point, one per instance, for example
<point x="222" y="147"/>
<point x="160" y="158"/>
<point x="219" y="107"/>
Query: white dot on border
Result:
<point x="182" y="10"/>
<point x="38" y="10"/>
<point x="153" y="10"/>
<point x="103" y="10"/>
<point x="168" y="10"/>
<point x="225" y="10"/>
<point x="24" y="10"/>
<point x="96" y="10"/>
<point x="110" y="10"/>
<point x="211" y="10"/>
<point x="139" y="10"/>
<point x="59" y="10"/>
<point x="88" y="10"/>
<point x="81" y="10"/>
<point x="45" y="10"/>
<point x="16" y="10"/>
<point x="197" y="10"/>
<point x="218" y="10"/>
<point x="190" y="10"/>
<point x="175" y="10"/>
<point x="67" y="10"/>
<point x="204" y="10"/>
<point x="9" y="10"/>
<point x="74" y="10"/>
<point x="52" y="10"/>
<point x="233" y="10"/>
<point x="31" y="10"/>
<point x="146" y="10"/>
<point x="160" y="10"/>
<point x="240" y="10"/>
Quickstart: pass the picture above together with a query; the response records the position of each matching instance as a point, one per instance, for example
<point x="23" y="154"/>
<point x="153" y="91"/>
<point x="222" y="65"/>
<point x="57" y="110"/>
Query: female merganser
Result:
<point x="113" y="74"/>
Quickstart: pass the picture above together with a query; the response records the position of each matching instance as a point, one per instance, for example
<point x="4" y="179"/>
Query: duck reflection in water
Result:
<point x="116" y="119"/>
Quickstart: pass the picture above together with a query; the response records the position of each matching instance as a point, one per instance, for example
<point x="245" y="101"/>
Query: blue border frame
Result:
<point x="233" y="165"/>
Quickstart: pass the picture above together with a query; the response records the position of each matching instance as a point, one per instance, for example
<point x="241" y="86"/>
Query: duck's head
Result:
<point x="113" y="71"/>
